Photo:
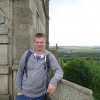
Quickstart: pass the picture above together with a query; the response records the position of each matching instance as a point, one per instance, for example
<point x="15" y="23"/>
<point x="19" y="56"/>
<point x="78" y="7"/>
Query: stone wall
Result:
<point x="28" y="18"/>
<point x="19" y="21"/>
<point x="4" y="50"/>
<point x="69" y="91"/>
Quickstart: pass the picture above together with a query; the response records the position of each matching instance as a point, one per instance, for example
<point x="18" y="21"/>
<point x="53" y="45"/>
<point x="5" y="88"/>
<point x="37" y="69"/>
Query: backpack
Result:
<point x="26" y="60"/>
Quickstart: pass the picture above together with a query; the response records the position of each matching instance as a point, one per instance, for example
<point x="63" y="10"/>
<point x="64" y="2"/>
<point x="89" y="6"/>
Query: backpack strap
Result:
<point x="48" y="71"/>
<point x="48" y="63"/>
<point x="26" y="60"/>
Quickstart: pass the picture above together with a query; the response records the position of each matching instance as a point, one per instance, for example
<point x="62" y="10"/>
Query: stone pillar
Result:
<point x="5" y="64"/>
<point x="28" y="18"/>
<point x="19" y="21"/>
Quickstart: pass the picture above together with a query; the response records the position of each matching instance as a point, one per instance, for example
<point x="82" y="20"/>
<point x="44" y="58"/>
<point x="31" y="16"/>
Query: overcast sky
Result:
<point x="74" y="22"/>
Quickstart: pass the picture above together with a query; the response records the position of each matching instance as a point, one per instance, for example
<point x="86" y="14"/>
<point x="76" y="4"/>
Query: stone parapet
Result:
<point x="69" y="91"/>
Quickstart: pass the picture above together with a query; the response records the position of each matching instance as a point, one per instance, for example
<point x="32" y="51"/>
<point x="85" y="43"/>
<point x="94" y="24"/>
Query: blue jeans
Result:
<point x="23" y="97"/>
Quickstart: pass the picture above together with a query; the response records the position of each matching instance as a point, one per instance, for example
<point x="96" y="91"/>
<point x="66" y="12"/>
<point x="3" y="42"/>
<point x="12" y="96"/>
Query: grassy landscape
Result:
<point x="81" y="65"/>
<point x="66" y="52"/>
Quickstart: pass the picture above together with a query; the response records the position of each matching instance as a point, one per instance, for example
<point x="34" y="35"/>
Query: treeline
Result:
<point x="87" y="55"/>
<point x="83" y="69"/>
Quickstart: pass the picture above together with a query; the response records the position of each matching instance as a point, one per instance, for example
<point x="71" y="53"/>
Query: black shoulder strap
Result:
<point x="48" y="62"/>
<point x="48" y="71"/>
<point x="26" y="60"/>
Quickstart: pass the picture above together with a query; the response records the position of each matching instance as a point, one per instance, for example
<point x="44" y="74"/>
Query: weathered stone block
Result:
<point x="3" y="55"/>
<point x="4" y="69"/>
<point x="23" y="15"/>
<point x="4" y="97"/>
<point x="3" y="39"/>
<point x="23" y="42"/>
<point x="3" y="84"/>
<point x="4" y="29"/>
<point x="21" y="3"/>
<point x="23" y="29"/>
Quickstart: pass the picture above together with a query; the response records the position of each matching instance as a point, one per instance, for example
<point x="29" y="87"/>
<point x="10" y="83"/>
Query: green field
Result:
<point x="92" y="52"/>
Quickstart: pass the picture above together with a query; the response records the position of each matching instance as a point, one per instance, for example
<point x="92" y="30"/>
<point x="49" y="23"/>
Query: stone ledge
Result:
<point x="76" y="86"/>
<point x="15" y="67"/>
<point x="69" y="91"/>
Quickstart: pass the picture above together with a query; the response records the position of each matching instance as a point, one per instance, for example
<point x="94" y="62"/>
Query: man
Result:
<point x="33" y="87"/>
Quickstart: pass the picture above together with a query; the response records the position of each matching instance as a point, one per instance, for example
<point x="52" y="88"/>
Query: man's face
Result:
<point x="39" y="43"/>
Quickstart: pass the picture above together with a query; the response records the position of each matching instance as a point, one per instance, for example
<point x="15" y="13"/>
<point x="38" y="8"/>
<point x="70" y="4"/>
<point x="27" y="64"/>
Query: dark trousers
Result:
<point x="23" y="97"/>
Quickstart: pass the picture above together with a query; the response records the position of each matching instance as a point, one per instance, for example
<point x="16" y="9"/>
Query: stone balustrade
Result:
<point x="69" y="91"/>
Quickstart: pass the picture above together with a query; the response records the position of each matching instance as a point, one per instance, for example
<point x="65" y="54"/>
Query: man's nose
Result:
<point x="39" y="44"/>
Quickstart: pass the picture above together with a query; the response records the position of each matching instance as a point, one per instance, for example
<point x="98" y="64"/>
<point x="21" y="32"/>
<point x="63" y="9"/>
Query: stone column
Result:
<point x="5" y="63"/>
<point x="21" y="25"/>
<point x="28" y="18"/>
<point x="19" y="21"/>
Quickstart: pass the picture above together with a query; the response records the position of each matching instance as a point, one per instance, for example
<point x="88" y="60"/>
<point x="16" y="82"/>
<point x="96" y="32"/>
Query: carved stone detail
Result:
<point x="4" y="27"/>
<point x="1" y="19"/>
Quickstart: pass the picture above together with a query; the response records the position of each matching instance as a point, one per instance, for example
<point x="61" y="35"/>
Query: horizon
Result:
<point x="73" y="46"/>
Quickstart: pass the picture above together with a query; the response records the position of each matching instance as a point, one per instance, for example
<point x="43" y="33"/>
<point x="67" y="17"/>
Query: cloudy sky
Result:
<point x="75" y="22"/>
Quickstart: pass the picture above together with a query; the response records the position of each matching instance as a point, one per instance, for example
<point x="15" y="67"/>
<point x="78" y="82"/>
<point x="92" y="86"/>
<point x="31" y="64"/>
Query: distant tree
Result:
<point x="78" y="71"/>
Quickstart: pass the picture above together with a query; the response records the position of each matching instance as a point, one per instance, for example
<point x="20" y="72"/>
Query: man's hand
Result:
<point x="51" y="88"/>
<point x="19" y="93"/>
